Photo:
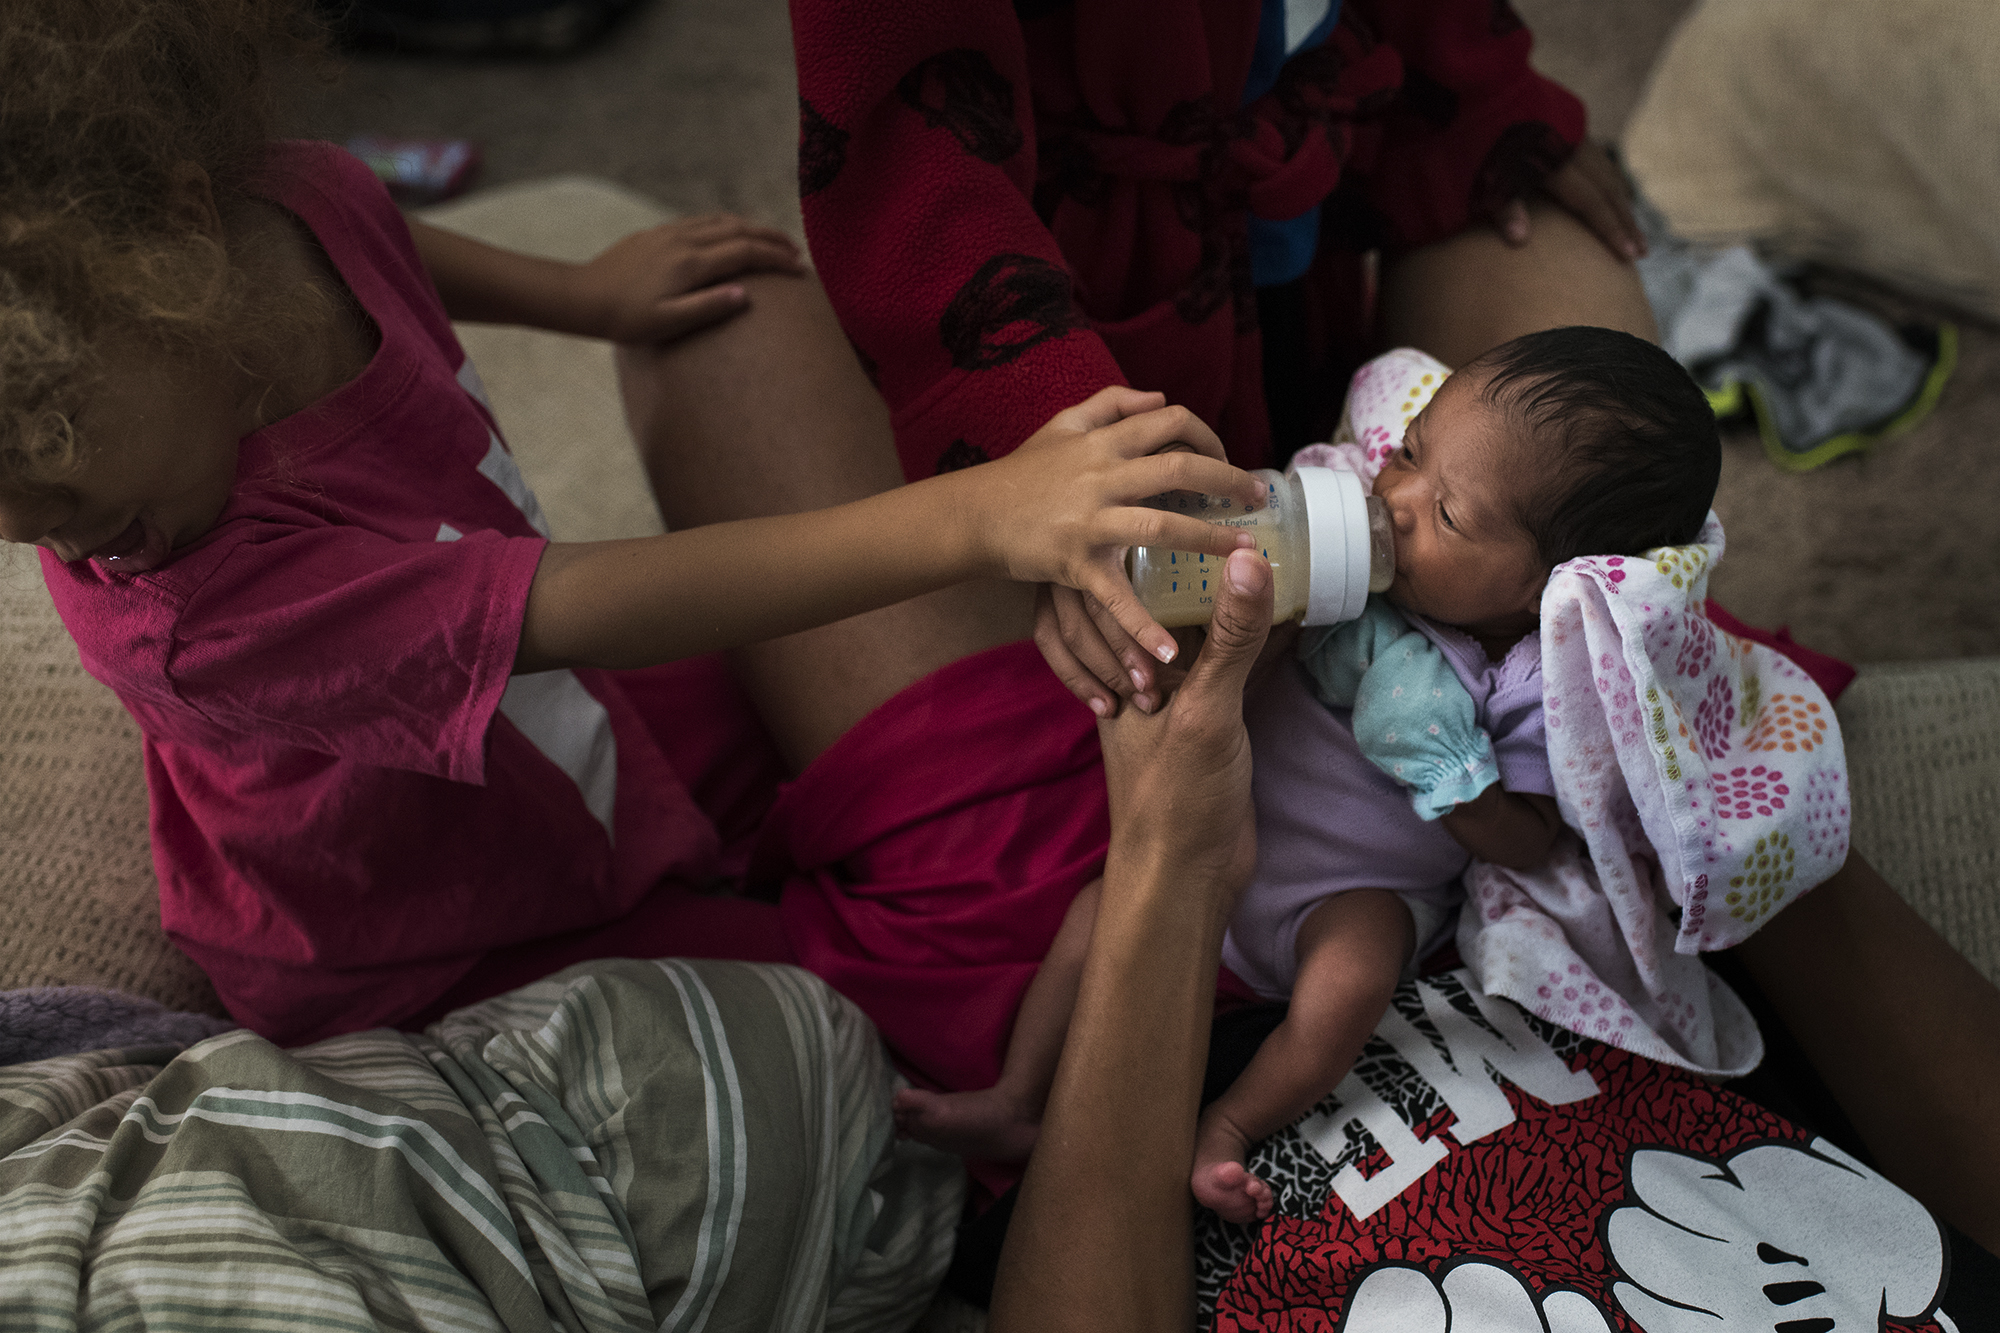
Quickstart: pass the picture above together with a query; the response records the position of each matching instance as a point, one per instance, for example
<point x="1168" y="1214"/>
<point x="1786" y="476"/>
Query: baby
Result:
<point x="1407" y="742"/>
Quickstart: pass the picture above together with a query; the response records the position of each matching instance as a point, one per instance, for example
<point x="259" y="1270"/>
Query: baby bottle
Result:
<point x="1329" y="545"/>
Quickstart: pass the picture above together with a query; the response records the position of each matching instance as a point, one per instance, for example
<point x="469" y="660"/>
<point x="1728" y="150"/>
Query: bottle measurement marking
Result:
<point x="1283" y="529"/>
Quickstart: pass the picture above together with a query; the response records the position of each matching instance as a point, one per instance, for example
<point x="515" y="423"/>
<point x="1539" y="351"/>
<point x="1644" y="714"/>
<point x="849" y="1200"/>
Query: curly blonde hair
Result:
<point x="105" y="105"/>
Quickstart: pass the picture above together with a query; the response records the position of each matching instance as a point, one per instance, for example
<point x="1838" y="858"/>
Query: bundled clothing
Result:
<point x="1012" y="206"/>
<point x="1821" y="377"/>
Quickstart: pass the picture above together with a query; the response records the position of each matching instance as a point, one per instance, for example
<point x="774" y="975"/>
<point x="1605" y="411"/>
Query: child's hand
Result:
<point x="668" y="281"/>
<point x="1062" y="510"/>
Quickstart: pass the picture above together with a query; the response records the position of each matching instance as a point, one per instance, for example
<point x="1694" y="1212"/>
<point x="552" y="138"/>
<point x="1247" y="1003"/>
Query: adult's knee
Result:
<point x="1473" y="291"/>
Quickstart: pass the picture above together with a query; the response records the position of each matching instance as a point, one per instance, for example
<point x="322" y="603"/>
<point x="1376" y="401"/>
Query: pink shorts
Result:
<point x="923" y="862"/>
<point x="930" y="854"/>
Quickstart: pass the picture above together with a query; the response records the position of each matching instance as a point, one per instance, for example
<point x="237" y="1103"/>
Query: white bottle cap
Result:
<point x="1337" y="527"/>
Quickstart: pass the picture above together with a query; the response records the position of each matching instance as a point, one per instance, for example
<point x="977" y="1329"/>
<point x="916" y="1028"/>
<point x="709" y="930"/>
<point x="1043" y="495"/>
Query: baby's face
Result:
<point x="1461" y="555"/>
<point x="156" y="458"/>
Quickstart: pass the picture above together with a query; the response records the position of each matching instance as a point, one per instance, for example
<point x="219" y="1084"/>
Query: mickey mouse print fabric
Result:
<point x="1484" y="1169"/>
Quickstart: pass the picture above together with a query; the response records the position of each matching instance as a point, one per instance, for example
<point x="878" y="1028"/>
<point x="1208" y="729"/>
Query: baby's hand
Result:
<point x="1412" y="717"/>
<point x="1063" y="509"/>
<point x="668" y="281"/>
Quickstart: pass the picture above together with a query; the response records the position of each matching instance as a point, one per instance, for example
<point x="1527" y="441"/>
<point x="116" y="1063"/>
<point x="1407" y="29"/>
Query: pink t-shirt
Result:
<point x="352" y="800"/>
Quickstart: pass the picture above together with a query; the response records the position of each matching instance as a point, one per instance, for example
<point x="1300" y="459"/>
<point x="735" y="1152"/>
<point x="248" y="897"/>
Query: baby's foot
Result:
<point x="1235" y="1194"/>
<point x="989" y="1125"/>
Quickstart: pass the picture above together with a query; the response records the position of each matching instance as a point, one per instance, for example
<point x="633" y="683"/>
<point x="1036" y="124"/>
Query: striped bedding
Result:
<point x="672" y="1145"/>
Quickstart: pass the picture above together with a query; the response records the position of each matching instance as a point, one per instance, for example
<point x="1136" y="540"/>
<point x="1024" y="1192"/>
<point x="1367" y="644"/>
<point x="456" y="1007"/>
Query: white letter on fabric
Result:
<point x="1476" y="1101"/>
<point x="1409" y="1156"/>
<point x="1524" y="1059"/>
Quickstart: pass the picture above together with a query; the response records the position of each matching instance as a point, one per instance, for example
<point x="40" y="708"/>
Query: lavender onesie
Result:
<point x="1328" y="820"/>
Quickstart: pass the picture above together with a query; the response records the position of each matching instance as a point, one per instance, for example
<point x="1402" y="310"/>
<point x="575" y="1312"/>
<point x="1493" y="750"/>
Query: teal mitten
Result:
<point x="1412" y="718"/>
<point x="1337" y="656"/>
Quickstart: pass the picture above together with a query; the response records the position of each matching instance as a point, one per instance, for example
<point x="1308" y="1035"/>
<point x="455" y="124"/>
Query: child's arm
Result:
<point x="1060" y="509"/>
<point x="652" y="286"/>
<point x="1515" y="829"/>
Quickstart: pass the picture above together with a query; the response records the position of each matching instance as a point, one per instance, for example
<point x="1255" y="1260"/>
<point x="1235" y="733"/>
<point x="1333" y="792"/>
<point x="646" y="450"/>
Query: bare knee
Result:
<point x="1473" y="291"/>
<point x="766" y="413"/>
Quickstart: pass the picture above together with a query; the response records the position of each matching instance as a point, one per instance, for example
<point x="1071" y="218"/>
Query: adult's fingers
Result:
<point x="1591" y="186"/>
<point x="1608" y="216"/>
<point x="1512" y="222"/>
<point x="1597" y="164"/>
<point x="1079" y="679"/>
<point x="1235" y="636"/>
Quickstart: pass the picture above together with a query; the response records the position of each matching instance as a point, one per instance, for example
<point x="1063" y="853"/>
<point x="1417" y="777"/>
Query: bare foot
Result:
<point x="1219" y="1180"/>
<point x="990" y="1125"/>
<point x="1235" y="1194"/>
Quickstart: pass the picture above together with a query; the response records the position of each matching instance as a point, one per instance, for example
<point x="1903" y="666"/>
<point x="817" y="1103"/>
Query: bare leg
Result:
<point x="1352" y="949"/>
<point x="1905" y="1032"/>
<point x="1001" y="1123"/>
<point x="1462" y="296"/>
<point x="769" y="413"/>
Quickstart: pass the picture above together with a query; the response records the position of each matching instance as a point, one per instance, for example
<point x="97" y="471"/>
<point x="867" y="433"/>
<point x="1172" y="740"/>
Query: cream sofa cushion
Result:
<point x="1856" y="132"/>
<point x="78" y="902"/>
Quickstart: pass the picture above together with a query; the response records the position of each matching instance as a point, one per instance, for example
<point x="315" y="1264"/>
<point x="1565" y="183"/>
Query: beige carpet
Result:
<point x="1923" y="758"/>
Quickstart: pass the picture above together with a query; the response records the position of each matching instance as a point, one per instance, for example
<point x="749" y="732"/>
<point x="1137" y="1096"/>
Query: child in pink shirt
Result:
<point x="389" y="767"/>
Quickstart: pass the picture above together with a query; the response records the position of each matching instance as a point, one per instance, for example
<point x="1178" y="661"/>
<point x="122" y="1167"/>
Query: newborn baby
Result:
<point x="1405" y="743"/>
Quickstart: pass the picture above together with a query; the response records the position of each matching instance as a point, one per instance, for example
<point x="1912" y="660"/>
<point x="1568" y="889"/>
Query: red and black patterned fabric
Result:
<point x="1014" y="205"/>
<point x="1481" y="1168"/>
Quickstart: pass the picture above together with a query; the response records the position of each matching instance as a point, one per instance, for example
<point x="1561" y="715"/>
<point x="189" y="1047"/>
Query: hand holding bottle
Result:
<point x="1065" y="506"/>
<point x="1329" y="544"/>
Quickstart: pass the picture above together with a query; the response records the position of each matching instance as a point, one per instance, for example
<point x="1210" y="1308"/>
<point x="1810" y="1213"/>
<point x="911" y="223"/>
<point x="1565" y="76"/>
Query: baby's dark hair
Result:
<point x="1631" y="439"/>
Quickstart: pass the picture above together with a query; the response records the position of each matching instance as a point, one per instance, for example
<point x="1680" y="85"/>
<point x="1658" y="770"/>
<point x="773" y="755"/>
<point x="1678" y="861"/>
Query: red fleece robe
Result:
<point x="1014" y="205"/>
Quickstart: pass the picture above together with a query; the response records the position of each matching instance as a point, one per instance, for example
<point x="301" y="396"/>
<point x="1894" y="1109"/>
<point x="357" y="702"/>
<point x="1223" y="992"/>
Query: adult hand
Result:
<point x="668" y="281"/>
<point x="1590" y="186"/>
<point x="1179" y="777"/>
<point x="1100" y="1237"/>
<point x="1064" y="508"/>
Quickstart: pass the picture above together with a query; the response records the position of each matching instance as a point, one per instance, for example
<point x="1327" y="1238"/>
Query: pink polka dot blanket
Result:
<point x="1701" y="776"/>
